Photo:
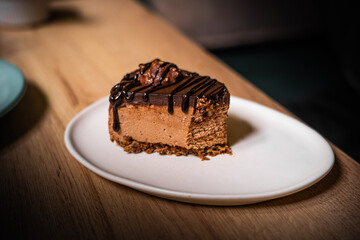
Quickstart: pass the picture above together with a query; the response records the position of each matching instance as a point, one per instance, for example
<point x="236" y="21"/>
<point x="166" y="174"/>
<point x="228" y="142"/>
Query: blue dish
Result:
<point x="12" y="86"/>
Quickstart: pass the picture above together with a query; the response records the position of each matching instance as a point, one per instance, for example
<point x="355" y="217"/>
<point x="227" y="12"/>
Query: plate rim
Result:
<point x="20" y="93"/>
<point x="197" y="198"/>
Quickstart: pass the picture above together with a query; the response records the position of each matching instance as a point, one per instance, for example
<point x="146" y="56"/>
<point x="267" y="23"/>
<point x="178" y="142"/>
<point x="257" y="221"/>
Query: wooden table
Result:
<point x="73" y="60"/>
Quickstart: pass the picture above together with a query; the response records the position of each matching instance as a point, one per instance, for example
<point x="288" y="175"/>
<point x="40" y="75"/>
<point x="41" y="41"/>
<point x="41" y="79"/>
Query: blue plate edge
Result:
<point x="20" y="94"/>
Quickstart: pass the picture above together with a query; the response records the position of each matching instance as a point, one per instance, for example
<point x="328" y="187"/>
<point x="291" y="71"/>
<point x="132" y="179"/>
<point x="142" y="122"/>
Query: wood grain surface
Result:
<point x="74" y="59"/>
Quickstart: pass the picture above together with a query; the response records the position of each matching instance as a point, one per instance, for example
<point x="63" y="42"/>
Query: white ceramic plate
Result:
<point x="273" y="156"/>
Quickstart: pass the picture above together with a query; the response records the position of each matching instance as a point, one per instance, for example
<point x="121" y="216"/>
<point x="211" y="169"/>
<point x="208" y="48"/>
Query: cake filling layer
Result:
<point x="153" y="124"/>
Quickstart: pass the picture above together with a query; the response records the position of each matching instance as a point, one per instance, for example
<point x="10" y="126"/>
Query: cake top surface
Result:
<point x="159" y="80"/>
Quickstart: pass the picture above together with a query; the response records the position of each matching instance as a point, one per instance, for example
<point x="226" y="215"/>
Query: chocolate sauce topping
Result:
<point x="163" y="83"/>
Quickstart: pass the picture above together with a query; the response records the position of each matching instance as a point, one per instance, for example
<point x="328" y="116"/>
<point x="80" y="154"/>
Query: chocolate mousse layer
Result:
<point x="161" y="108"/>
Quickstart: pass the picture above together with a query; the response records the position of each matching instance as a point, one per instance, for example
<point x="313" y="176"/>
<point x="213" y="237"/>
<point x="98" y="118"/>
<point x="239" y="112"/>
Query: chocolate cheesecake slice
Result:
<point x="161" y="108"/>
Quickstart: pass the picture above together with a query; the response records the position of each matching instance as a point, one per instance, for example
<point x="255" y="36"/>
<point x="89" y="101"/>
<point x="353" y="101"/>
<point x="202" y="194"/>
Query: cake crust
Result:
<point x="132" y="146"/>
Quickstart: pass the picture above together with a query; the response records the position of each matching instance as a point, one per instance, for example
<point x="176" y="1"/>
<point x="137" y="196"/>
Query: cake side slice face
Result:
<point x="160" y="108"/>
<point x="151" y="124"/>
<point x="208" y="129"/>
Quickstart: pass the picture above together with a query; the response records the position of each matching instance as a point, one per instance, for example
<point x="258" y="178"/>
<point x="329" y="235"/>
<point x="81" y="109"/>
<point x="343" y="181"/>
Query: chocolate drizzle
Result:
<point x="164" y="80"/>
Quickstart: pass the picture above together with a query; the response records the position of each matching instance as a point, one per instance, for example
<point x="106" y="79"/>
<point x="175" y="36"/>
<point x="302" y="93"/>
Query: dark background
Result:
<point x="304" y="54"/>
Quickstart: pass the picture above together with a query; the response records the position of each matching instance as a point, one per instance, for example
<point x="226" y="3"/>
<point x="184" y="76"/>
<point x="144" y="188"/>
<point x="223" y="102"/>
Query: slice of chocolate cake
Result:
<point x="161" y="108"/>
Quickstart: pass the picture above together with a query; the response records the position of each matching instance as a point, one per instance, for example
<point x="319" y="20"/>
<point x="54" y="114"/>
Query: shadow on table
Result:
<point x="66" y="15"/>
<point x="20" y="120"/>
<point x="238" y="129"/>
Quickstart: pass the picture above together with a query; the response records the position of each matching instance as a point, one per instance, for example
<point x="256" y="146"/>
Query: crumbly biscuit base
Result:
<point x="132" y="146"/>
